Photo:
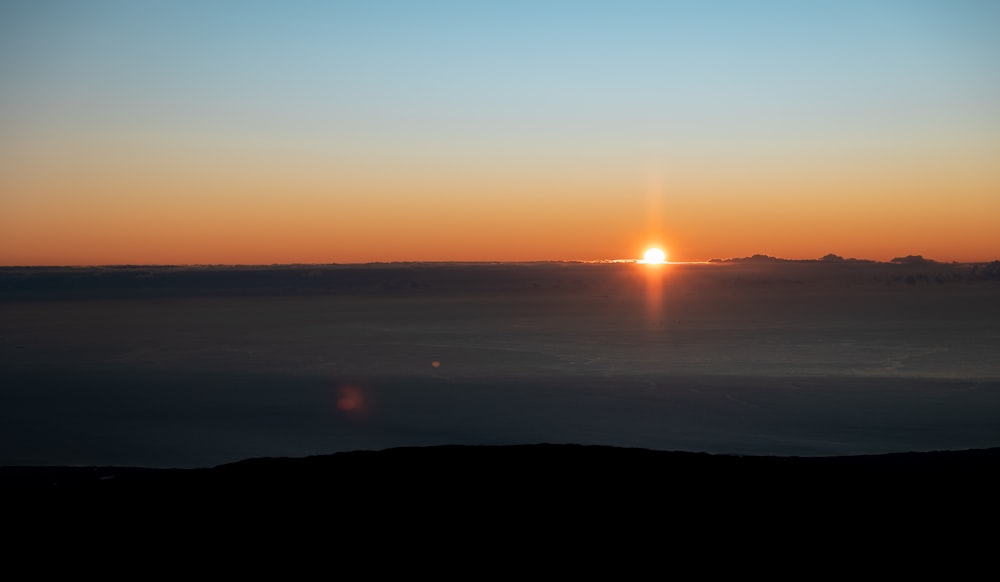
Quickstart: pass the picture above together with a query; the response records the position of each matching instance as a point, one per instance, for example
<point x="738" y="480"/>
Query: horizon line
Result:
<point x="909" y="259"/>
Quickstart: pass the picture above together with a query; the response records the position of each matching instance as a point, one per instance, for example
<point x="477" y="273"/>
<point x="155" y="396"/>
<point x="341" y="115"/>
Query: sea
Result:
<point x="195" y="366"/>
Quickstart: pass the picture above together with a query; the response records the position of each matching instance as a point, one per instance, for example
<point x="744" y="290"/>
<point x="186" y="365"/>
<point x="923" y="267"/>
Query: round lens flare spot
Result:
<point x="350" y="399"/>
<point x="436" y="364"/>
<point x="654" y="257"/>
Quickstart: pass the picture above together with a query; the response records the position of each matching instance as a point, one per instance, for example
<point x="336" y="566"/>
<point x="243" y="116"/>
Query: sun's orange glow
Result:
<point x="654" y="256"/>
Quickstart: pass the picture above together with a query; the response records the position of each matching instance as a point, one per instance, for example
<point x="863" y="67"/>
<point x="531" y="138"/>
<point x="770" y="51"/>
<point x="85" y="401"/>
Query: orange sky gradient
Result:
<point x="129" y="207"/>
<point x="116" y="147"/>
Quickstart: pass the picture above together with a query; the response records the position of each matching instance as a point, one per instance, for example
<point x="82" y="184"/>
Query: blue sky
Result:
<point x="499" y="87"/>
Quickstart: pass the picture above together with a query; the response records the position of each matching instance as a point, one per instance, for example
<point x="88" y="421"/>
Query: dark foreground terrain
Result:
<point x="542" y="467"/>
<point x="564" y="506"/>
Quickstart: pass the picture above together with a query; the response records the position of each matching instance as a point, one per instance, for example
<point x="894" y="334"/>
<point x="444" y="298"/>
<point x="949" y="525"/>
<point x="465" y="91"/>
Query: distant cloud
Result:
<point x="912" y="260"/>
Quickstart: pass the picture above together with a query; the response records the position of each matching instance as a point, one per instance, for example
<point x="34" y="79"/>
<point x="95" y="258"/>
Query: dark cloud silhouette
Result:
<point x="911" y="260"/>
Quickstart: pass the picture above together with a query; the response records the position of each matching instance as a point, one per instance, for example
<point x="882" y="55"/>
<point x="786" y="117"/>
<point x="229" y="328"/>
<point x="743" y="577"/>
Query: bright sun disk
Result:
<point x="654" y="256"/>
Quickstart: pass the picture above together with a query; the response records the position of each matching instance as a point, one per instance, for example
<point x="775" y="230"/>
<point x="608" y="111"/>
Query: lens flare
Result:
<point x="350" y="399"/>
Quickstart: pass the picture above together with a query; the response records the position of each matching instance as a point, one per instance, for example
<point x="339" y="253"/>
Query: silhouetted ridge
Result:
<point x="523" y="466"/>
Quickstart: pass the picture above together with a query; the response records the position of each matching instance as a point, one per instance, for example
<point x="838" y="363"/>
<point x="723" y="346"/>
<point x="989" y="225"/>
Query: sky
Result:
<point x="250" y="132"/>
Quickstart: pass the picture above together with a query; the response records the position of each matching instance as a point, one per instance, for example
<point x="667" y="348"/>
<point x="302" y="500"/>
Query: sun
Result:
<point x="654" y="256"/>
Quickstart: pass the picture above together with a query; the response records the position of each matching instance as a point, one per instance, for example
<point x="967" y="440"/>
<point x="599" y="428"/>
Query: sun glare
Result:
<point x="654" y="257"/>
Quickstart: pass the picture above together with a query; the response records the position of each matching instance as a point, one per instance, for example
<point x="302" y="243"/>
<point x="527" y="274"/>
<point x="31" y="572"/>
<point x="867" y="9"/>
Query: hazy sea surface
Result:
<point x="194" y="367"/>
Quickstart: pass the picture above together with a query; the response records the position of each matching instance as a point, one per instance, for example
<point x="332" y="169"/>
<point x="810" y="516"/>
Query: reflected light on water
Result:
<point x="654" y="274"/>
